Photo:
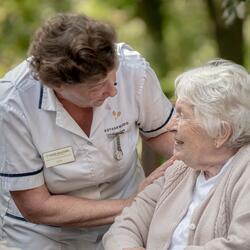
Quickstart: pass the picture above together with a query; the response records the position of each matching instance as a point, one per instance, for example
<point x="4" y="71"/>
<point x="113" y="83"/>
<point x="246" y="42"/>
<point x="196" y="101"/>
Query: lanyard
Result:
<point x="117" y="154"/>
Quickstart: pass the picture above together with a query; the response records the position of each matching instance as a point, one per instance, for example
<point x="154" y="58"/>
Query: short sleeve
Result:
<point x="21" y="166"/>
<point x="155" y="110"/>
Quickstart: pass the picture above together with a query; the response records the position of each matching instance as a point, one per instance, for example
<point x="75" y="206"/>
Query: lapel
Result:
<point x="99" y="115"/>
<point x="49" y="102"/>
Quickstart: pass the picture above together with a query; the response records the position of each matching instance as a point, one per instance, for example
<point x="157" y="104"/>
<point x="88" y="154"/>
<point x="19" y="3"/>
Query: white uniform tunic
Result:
<point x="41" y="143"/>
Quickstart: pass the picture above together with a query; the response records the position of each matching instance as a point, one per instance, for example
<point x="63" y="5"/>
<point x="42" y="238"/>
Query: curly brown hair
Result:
<point x="72" y="49"/>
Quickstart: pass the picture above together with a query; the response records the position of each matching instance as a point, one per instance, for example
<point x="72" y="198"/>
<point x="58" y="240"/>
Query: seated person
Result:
<point x="203" y="201"/>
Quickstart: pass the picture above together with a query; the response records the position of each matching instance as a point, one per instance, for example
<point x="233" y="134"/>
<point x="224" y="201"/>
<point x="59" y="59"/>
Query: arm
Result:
<point x="130" y="229"/>
<point x="29" y="191"/>
<point x="163" y="144"/>
<point x="39" y="206"/>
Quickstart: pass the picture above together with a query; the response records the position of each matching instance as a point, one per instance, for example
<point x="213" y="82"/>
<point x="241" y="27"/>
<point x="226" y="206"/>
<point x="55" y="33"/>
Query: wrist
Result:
<point x="128" y="201"/>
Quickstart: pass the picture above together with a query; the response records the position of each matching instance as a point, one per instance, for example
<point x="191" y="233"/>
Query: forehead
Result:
<point x="94" y="82"/>
<point x="101" y="80"/>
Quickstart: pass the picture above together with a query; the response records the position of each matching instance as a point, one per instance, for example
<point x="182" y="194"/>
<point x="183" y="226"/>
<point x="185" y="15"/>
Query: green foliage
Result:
<point x="184" y="38"/>
<point x="18" y="21"/>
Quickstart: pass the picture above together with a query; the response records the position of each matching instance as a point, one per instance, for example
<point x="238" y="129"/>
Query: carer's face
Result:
<point x="89" y="95"/>
<point x="192" y="144"/>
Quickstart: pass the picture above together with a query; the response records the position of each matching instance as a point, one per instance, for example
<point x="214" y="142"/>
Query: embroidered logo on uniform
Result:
<point x="116" y="114"/>
<point x="116" y="129"/>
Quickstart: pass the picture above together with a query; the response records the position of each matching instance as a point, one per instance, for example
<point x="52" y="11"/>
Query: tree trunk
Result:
<point x="229" y="37"/>
<point x="151" y="12"/>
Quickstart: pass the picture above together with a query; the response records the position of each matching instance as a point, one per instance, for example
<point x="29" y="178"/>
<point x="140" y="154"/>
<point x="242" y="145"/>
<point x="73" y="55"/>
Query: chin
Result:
<point x="177" y="155"/>
<point x="98" y="103"/>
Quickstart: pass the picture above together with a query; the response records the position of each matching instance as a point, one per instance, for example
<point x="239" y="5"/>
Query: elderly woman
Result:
<point x="203" y="200"/>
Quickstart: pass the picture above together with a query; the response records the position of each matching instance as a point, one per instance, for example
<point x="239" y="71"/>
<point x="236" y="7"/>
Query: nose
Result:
<point x="111" y="89"/>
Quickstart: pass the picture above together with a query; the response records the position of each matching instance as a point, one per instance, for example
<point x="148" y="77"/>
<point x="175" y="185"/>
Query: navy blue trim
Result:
<point x="15" y="217"/>
<point x="21" y="218"/>
<point x="153" y="130"/>
<point x="41" y="97"/>
<point x="23" y="174"/>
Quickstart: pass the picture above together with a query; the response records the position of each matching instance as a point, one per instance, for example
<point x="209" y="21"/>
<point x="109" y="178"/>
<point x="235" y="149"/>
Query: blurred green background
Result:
<point x="173" y="35"/>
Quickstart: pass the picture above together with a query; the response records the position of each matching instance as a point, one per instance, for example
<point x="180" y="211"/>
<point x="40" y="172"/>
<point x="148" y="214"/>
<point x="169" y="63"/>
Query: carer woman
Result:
<point x="70" y="119"/>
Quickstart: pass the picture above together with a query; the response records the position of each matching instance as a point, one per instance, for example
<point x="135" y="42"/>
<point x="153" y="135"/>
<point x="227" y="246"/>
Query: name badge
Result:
<point x="58" y="157"/>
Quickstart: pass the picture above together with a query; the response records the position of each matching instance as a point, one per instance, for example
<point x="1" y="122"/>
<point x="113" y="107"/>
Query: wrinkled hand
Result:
<point x="155" y="174"/>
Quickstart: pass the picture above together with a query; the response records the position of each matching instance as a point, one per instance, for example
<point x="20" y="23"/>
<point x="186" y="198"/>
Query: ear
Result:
<point x="226" y="132"/>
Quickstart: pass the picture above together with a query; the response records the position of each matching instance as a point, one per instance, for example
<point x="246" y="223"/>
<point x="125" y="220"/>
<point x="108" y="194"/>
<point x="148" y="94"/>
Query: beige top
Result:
<point x="222" y="221"/>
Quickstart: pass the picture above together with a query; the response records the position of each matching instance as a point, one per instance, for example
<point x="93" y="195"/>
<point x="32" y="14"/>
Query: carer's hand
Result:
<point x="155" y="174"/>
<point x="158" y="172"/>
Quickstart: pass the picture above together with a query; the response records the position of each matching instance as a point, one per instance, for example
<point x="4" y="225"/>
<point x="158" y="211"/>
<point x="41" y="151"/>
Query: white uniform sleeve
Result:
<point x="155" y="110"/>
<point x="20" y="164"/>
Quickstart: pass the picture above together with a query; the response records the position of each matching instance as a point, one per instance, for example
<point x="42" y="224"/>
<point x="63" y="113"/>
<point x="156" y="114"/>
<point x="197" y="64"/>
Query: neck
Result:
<point x="218" y="161"/>
<point x="69" y="106"/>
<point x="82" y="116"/>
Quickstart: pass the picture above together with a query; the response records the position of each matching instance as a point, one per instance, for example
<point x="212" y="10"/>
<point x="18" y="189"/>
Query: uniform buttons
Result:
<point x="192" y="226"/>
<point x="90" y="143"/>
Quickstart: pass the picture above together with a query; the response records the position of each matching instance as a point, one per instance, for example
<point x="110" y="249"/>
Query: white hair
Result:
<point x="219" y="92"/>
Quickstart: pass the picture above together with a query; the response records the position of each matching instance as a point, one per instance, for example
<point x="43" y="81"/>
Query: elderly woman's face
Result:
<point x="192" y="144"/>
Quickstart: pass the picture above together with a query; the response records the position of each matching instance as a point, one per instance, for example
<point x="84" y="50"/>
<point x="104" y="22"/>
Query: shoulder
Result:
<point x="134" y="68"/>
<point x="129" y="56"/>
<point x="20" y="76"/>
<point x="17" y="82"/>
<point x="176" y="174"/>
<point x="176" y="171"/>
